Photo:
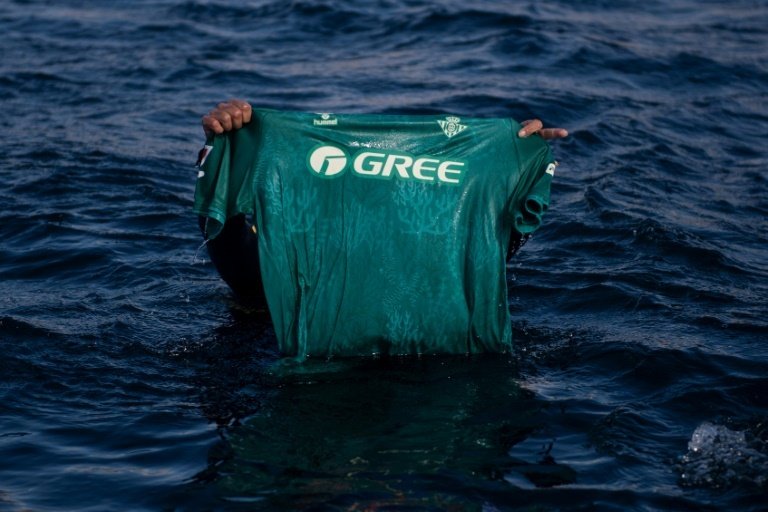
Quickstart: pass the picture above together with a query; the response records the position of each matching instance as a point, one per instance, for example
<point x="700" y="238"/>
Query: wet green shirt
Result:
<point x="380" y="234"/>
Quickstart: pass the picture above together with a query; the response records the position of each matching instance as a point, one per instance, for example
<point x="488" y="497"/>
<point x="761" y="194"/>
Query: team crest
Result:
<point x="451" y="126"/>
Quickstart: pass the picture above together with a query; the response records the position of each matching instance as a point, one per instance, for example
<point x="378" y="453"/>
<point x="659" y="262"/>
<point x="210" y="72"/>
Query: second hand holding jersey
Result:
<point x="380" y="234"/>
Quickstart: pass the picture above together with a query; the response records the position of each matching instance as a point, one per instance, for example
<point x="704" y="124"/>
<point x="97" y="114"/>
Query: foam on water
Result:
<point x="719" y="457"/>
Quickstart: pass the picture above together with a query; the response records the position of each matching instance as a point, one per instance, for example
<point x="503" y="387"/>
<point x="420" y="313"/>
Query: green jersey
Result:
<point x="380" y="234"/>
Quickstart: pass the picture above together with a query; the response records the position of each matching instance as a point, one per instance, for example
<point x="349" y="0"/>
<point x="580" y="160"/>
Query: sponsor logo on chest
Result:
<point x="329" y="161"/>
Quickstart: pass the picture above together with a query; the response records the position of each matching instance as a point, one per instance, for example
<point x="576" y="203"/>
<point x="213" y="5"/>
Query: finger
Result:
<point x="211" y="126"/>
<point x="223" y="117"/>
<point x="237" y="117"/>
<point x="234" y="112"/>
<point x="553" y="133"/>
<point x="239" y="110"/>
<point x="530" y="127"/>
<point x="244" y="107"/>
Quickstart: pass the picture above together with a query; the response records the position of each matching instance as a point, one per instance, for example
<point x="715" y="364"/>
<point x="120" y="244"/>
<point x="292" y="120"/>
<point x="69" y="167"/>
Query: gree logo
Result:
<point x="331" y="161"/>
<point x="327" y="161"/>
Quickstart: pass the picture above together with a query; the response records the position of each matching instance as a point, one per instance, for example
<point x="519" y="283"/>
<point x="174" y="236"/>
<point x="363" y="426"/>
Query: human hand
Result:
<point x="532" y="126"/>
<point x="227" y="116"/>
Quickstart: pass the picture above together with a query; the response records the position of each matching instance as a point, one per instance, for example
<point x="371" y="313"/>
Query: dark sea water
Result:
<point x="131" y="379"/>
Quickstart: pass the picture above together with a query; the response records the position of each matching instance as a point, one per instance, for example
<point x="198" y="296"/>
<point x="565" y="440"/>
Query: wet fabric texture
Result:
<point x="379" y="234"/>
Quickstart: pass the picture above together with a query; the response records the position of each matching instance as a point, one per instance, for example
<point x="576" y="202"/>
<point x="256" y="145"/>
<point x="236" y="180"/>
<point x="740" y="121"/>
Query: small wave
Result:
<point x="56" y="263"/>
<point x="213" y="12"/>
<point x="16" y="328"/>
<point x="618" y="433"/>
<point x="230" y="76"/>
<point x="40" y="76"/>
<point x="681" y="244"/>
<point x="442" y="19"/>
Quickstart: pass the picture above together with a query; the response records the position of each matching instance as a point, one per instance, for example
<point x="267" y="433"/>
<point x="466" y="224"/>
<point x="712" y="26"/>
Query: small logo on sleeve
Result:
<point x="203" y="155"/>
<point x="551" y="168"/>
<point x="451" y="126"/>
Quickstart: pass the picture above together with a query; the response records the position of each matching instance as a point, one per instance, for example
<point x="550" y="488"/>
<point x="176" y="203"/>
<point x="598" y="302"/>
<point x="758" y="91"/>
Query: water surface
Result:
<point x="132" y="380"/>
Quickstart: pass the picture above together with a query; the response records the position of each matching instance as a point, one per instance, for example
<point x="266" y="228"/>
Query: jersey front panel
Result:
<point x="380" y="234"/>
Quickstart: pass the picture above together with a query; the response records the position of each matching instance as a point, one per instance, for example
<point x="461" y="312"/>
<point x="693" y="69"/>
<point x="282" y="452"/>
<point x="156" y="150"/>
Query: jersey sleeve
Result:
<point x="530" y="198"/>
<point x="225" y="178"/>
